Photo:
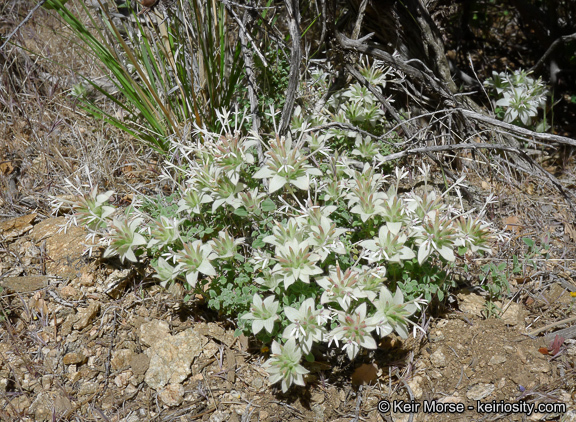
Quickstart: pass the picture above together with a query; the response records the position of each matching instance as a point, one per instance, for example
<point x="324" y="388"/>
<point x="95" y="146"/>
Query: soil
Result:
<point x="82" y="338"/>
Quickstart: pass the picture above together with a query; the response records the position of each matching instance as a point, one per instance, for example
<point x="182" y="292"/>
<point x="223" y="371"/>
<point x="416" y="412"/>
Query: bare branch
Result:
<point x="548" y="137"/>
<point x="562" y="40"/>
<point x="296" y="56"/>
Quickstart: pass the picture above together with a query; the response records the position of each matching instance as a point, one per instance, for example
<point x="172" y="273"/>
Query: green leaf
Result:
<point x="258" y="243"/>
<point x="268" y="205"/>
<point x="241" y="212"/>
<point x="529" y="242"/>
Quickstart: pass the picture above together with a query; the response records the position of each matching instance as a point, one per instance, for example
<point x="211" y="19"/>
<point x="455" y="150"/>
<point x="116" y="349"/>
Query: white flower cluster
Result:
<point x="307" y="211"/>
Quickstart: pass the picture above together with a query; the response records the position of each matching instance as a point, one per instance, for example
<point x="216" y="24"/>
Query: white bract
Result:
<point x="125" y="239"/>
<point x="286" y="165"/>
<point x="341" y="287"/>
<point x="354" y="331"/>
<point x="389" y="246"/>
<point x="284" y="365"/>
<point x="308" y="324"/>
<point x="392" y="313"/>
<point x="295" y="262"/>
<point x="195" y="259"/>
<point x="263" y="313"/>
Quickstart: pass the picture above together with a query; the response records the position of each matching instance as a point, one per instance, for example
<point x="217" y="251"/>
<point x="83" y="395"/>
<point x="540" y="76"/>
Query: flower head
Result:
<point x="284" y="365"/>
<point x="263" y="313"/>
<point x="354" y="331"/>
<point x="307" y="324"/>
<point x="392" y="313"/>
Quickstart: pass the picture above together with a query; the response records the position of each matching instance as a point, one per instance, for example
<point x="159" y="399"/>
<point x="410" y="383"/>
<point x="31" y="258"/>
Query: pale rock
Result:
<point x="215" y="331"/>
<point x="513" y="315"/>
<point x="172" y="395"/>
<point x="121" y="359"/>
<point x="497" y="360"/>
<point x="471" y="303"/>
<point x="480" y="391"/>
<point x="88" y="388"/>
<point x="219" y="416"/>
<point x="317" y="397"/>
<point x="171" y="357"/>
<point x="415" y="385"/>
<point x="69" y="292"/>
<point x="123" y="379"/>
<point x="539" y="366"/>
<point x="438" y="359"/>
<point x="48" y="403"/>
<point x="86" y="315"/>
<point x="74" y="358"/>
<point x="210" y="350"/>
<point x="451" y="399"/>
<point x="153" y="331"/>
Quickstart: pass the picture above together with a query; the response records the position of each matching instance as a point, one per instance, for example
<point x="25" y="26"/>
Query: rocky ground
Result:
<point x="83" y="340"/>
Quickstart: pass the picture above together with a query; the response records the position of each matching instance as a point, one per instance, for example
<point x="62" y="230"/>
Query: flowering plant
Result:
<point x="303" y="247"/>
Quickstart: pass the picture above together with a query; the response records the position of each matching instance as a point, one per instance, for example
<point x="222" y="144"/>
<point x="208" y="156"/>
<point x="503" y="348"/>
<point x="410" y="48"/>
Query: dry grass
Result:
<point x="44" y="137"/>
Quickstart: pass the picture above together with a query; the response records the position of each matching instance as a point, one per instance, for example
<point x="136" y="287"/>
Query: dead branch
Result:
<point x="546" y="137"/>
<point x="293" y="10"/>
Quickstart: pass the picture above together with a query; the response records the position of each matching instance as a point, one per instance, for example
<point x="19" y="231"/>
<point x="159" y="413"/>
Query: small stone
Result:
<point x="451" y="399"/>
<point x="86" y="279"/>
<point x="47" y="381"/>
<point x="172" y="395"/>
<point x="41" y="407"/>
<point x="86" y="315"/>
<point x="514" y="314"/>
<point x="116" y="283"/>
<point x="497" y="360"/>
<point x="69" y="292"/>
<point x="257" y="383"/>
<point x="25" y="284"/>
<point x="471" y="303"/>
<point x="438" y="359"/>
<point x="171" y="357"/>
<point x="15" y="227"/>
<point x="139" y="363"/>
<point x="436" y="336"/>
<point x="416" y="386"/>
<point x="88" y="388"/>
<point x="121" y="359"/>
<point x="219" y="416"/>
<point x="480" y="391"/>
<point x="317" y="397"/>
<point x="122" y="380"/>
<point x="539" y="366"/>
<point x="74" y="358"/>
<point x="153" y="332"/>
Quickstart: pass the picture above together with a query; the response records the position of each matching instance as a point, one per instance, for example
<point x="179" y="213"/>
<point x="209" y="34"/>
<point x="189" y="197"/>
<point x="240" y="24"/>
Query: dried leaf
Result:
<point x="556" y="345"/>
<point x="365" y="374"/>
<point x="512" y="224"/>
